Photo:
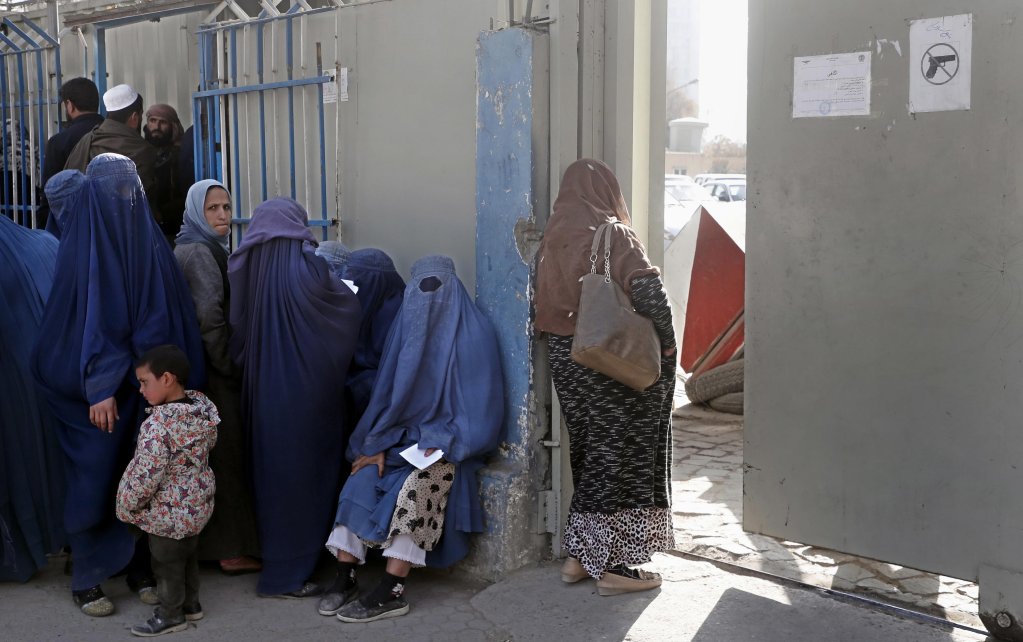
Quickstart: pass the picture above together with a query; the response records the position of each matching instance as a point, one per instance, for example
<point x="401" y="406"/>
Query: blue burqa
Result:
<point x="294" y="330"/>
<point x="335" y="254"/>
<point x="119" y="293"/>
<point x="31" y="463"/>
<point x="381" y="289"/>
<point x="439" y="385"/>
<point x="61" y="191"/>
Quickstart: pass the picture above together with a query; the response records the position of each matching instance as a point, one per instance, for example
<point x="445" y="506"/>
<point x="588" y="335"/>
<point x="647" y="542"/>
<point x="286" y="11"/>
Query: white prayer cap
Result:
<point x="119" y="97"/>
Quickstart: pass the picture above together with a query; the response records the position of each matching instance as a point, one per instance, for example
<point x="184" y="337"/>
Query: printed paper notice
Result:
<point x="940" y="56"/>
<point x="831" y="85"/>
<point x="336" y="88"/>
<point x="417" y="456"/>
<point x="330" y="88"/>
<point x="342" y="84"/>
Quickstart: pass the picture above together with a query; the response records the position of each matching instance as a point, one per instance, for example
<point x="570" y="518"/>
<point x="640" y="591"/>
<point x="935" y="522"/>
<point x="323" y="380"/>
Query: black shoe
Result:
<point x="309" y="589"/>
<point x="192" y="612"/>
<point x="157" y="625"/>
<point x="145" y="588"/>
<point x="340" y="593"/>
<point x="356" y="611"/>
<point x="93" y="602"/>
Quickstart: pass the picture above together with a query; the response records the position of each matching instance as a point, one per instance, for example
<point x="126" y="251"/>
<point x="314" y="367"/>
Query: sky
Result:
<point x="723" y="30"/>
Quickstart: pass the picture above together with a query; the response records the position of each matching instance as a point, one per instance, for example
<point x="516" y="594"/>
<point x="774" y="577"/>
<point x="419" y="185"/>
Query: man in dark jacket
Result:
<point x="163" y="131"/>
<point x="121" y="134"/>
<point x="80" y="100"/>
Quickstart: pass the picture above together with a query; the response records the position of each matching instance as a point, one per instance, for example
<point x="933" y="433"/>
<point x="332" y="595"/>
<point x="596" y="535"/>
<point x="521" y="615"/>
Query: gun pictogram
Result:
<point x="936" y="63"/>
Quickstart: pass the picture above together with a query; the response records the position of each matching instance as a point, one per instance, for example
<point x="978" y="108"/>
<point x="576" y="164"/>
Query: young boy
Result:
<point x="167" y="489"/>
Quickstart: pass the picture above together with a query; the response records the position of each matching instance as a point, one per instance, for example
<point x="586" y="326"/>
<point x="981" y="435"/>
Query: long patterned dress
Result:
<point x="620" y="445"/>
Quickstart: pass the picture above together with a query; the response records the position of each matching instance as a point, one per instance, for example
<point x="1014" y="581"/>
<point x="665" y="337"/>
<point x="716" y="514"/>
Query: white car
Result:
<point x="727" y="191"/>
<point x="680" y="201"/>
<point x="703" y="179"/>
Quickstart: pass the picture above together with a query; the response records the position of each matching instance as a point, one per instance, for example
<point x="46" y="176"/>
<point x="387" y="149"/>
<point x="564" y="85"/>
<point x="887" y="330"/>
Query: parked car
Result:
<point x="680" y="201"/>
<point x="727" y="191"/>
<point x="703" y="179"/>
<point x="689" y="192"/>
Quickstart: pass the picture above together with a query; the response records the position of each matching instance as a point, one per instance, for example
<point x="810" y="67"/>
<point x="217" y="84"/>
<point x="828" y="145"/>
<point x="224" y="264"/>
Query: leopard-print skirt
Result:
<point x="419" y="512"/>
<point x="600" y="541"/>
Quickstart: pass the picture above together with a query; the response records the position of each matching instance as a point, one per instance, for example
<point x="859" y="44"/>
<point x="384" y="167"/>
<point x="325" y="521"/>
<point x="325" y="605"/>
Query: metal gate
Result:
<point x="260" y="112"/>
<point x="29" y="112"/>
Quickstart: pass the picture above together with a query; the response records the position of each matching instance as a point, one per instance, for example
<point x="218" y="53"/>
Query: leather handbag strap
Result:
<point x="603" y="233"/>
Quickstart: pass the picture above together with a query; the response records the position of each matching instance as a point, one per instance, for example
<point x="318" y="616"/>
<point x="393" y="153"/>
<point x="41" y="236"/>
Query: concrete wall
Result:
<point x="884" y="317"/>
<point x="407" y="137"/>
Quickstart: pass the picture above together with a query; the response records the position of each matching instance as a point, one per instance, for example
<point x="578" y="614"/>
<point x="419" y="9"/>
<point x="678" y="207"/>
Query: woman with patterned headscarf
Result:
<point x="201" y="248"/>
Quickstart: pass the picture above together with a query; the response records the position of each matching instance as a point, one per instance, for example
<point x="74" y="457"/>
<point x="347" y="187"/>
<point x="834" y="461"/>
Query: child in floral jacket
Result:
<point x="167" y="489"/>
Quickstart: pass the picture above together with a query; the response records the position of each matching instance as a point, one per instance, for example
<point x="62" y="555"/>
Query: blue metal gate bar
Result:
<point x="40" y="128"/>
<point x="214" y="98"/>
<point x="280" y="84"/>
<point x="17" y="195"/>
<point x="55" y="100"/>
<point x="27" y="115"/>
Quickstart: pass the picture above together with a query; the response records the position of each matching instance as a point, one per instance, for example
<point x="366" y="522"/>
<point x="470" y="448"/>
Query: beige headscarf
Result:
<point x="589" y="196"/>
<point x="168" y="113"/>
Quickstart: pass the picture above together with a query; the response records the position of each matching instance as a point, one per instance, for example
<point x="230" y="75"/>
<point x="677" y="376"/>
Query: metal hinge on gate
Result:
<point x="547" y="517"/>
<point x="546" y="512"/>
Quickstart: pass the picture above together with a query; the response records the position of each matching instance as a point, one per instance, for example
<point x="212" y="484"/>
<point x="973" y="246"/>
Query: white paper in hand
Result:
<point x="417" y="456"/>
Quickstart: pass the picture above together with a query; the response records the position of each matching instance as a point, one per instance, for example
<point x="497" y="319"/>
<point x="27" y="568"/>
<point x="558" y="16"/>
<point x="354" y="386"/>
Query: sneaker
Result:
<point x="146" y="590"/>
<point x="572" y="571"/>
<point x="356" y="611"/>
<point x="192" y="612"/>
<point x="340" y="593"/>
<point x="157" y="625"/>
<point x="93" y="602"/>
<point x="626" y="580"/>
<point x="309" y="589"/>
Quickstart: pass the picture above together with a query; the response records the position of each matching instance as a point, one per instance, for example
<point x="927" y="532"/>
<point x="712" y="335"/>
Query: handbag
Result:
<point x="610" y="336"/>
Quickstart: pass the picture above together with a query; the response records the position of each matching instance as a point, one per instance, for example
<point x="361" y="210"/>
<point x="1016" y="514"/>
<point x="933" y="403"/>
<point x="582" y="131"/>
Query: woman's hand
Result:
<point x="104" y="415"/>
<point x="368" y="460"/>
<point x="668" y="352"/>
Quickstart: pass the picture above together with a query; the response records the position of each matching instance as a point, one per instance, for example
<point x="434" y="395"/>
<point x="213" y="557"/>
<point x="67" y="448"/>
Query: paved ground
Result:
<point x="698" y="602"/>
<point x="707" y="503"/>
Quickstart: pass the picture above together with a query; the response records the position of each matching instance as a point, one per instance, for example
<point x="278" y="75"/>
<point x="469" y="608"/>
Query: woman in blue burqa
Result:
<point x="294" y="327"/>
<point x="380" y="291"/>
<point x="31" y="464"/>
<point x="61" y="189"/>
<point x="120" y="293"/>
<point x="439" y="388"/>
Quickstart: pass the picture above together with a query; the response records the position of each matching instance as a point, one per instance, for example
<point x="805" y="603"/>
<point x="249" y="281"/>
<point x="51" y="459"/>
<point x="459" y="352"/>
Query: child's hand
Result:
<point x="104" y="415"/>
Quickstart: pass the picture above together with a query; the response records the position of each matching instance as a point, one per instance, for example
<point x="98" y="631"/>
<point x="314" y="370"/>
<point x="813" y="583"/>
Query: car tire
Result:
<point x="732" y="403"/>
<point x="716" y="382"/>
